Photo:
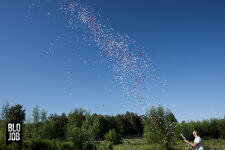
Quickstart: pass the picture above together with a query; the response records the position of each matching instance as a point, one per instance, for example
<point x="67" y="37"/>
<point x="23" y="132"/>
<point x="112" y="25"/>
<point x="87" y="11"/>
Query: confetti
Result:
<point x="129" y="63"/>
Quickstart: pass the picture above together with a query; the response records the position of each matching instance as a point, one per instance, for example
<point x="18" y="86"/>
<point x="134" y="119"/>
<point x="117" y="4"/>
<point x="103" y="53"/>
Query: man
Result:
<point x="197" y="142"/>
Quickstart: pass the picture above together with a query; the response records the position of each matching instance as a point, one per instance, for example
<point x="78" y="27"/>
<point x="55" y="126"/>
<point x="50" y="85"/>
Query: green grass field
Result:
<point x="141" y="144"/>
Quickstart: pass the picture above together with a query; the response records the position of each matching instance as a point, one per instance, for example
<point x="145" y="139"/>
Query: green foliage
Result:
<point x="77" y="117"/>
<point x="43" y="115"/>
<point x="39" y="144"/>
<point x="15" y="112"/>
<point x="55" y="126"/>
<point x="106" y="146"/>
<point x="38" y="126"/>
<point x="125" y="124"/>
<point x="66" y="146"/>
<point x="213" y="128"/>
<point x="159" y="126"/>
<point x="2" y="129"/>
<point x="5" y="112"/>
<point x="113" y="137"/>
<point x="79" y="137"/>
<point x="141" y="144"/>
<point x="44" y="144"/>
<point x="156" y="147"/>
<point x="36" y="115"/>
<point x="81" y="132"/>
<point x="103" y="125"/>
<point x="91" y="126"/>
<point x="134" y="123"/>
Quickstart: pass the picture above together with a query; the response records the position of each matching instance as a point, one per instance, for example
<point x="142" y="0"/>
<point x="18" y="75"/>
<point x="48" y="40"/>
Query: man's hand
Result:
<point x="186" y="141"/>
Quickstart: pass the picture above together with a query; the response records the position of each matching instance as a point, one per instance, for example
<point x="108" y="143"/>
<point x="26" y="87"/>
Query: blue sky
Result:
<point x="185" y="40"/>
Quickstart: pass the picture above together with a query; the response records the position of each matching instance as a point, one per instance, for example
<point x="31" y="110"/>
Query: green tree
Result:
<point x="55" y="126"/>
<point x="81" y="129"/>
<point x="91" y="125"/>
<point x="36" y="114"/>
<point x="103" y="125"/>
<point x="36" y="126"/>
<point x="16" y="112"/>
<point x="113" y="137"/>
<point x="5" y="112"/>
<point x="135" y="124"/>
<point x="43" y="115"/>
<point x="2" y="129"/>
<point x="221" y="127"/>
<point x="77" y="117"/>
<point x="4" y="119"/>
<point x="159" y="126"/>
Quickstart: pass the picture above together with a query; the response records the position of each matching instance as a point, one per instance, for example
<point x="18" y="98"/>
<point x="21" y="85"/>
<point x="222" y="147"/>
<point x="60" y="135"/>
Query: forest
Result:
<point x="82" y="130"/>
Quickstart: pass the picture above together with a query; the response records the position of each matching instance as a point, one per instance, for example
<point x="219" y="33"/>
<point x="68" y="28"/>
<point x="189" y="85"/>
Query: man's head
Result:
<point x="195" y="133"/>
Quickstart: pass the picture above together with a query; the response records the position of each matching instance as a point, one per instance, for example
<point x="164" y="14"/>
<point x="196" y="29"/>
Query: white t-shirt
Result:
<point x="200" y="145"/>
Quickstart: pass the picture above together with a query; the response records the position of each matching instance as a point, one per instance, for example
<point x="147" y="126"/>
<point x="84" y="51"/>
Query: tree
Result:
<point x="43" y="115"/>
<point x="122" y="124"/>
<point x="159" y="126"/>
<point x="91" y="125"/>
<point x="38" y="127"/>
<point x="77" y="117"/>
<point x="113" y="137"/>
<point x="5" y="112"/>
<point x="36" y="114"/>
<point x="81" y="129"/>
<point x="103" y="125"/>
<point x="135" y="124"/>
<point x="16" y="112"/>
<point x="55" y="127"/>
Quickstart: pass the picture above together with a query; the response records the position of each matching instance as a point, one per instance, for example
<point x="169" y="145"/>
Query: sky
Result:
<point x="184" y="39"/>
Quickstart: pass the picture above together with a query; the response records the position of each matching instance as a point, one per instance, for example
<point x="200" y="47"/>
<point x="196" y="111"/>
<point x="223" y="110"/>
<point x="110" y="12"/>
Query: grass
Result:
<point x="141" y="144"/>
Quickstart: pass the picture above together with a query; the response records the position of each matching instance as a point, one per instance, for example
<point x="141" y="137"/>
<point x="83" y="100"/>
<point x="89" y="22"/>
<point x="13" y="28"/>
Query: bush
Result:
<point x="39" y="144"/>
<point x="106" y="146"/>
<point x="113" y="137"/>
<point x="81" y="139"/>
<point x="66" y="146"/>
<point x="14" y="146"/>
<point x="43" y="145"/>
<point x="82" y="132"/>
<point x="160" y="127"/>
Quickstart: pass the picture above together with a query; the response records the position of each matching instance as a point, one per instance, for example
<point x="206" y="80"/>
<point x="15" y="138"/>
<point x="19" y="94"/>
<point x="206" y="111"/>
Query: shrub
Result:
<point x="27" y="144"/>
<point x="89" y="146"/>
<point x="39" y="144"/>
<point x="14" y="146"/>
<point x="66" y="146"/>
<point x="82" y="132"/>
<point x="106" y="146"/>
<point x="80" y="138"/>
<point x="160" y="127"/>
<point x="113" y="137"/>
<point x="43" y="145"/>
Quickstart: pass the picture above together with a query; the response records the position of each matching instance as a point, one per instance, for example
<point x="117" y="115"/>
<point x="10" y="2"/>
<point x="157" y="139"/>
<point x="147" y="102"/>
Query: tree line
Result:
<point x="158" y="125"/>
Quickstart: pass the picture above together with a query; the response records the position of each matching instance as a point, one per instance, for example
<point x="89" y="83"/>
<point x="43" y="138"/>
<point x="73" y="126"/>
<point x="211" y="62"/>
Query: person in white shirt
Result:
<point x="198" y="145"/>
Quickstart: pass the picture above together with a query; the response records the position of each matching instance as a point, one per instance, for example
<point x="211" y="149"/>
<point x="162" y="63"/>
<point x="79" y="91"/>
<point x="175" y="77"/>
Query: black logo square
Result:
<point x="14" y="132"/>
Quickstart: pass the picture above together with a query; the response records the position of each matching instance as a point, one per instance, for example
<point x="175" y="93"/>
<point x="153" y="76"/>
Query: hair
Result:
<point x="196" y="131"/>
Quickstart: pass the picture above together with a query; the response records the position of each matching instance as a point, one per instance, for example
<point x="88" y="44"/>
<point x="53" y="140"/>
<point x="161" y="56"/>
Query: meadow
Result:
<point x="128" y="144"/>
<point x="141" y="144"/>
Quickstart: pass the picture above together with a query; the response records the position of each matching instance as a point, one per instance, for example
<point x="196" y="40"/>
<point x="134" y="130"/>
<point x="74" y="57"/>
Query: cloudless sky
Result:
<point x="185" y="39"/>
